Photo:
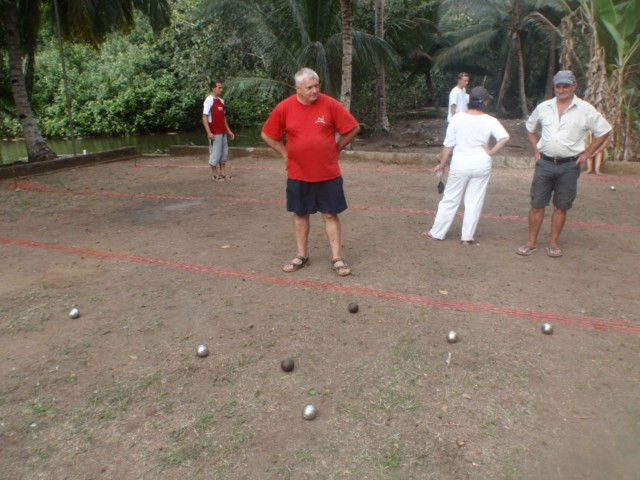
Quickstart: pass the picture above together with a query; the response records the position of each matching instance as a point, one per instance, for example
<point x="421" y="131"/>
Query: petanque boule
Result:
<point x="202" y="350"/>
<point x="309" y="412"/>
<point x="74" y="313"/>
<point x="452" y="337"/>
<point x="547" y="328"/>
<point x="353" y="307"/>
<point x="287" y="364"/>
<point x="612" y="187"/>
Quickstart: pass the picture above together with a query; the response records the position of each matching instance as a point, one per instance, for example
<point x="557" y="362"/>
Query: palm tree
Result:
<point x="81" y="20"/>
<point x="619" y="30"/>
<point x="499" y="23"/>
<point x="347" y="53"/>
<point x="289" y="34"/>
<point x="411" y="29"/>
<point x="382" y="120"/>
<point x="611" y="32"/>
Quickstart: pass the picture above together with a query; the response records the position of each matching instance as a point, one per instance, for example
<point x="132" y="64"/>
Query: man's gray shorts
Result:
<point x="561" y="179"/>
<point x="218" y="150"/>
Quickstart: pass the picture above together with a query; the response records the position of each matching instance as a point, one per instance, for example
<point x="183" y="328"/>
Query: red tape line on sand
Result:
<point x="27" y="185"/>
<point x="410" y="170"/>
<point x="462" y="306"/>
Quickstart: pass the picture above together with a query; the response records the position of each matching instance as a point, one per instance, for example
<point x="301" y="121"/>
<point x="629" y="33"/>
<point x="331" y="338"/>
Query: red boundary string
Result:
<point x="409" y="170"/>
<point x="461" y="306"/>
<point x="27" y="185"/>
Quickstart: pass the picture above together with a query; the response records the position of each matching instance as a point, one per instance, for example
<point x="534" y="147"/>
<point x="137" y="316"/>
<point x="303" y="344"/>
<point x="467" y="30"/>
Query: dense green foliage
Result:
<point x="136" y="82"/>
<point x="143" y="81"/>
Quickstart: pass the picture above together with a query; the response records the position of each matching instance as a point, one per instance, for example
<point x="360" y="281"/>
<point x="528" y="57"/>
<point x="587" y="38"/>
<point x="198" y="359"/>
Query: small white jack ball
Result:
<point x="547" y="328"/>
<point x="202" y="350"/>
<point x="74" y="313"/>
<point x="452" y="337"/>
<point x="612" y="187"/>
<point x="309" y="412"/>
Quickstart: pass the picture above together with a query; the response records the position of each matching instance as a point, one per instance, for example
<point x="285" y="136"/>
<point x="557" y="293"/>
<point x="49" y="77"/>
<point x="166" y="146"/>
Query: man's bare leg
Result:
<point x="536" y="217"/>
<point x="332" y="228"/>
<point x="557" y="223"/>
<point x="301" y="232"/>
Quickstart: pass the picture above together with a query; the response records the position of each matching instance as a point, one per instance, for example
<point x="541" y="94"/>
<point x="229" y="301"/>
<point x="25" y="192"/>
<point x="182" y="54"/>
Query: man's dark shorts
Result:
<point x="305" y="198"/>
<point x="561" y="179"/>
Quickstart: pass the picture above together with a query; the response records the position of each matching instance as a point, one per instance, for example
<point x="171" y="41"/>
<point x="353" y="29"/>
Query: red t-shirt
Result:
<point x="310" y="130"/>
<point x="216" y="125"/>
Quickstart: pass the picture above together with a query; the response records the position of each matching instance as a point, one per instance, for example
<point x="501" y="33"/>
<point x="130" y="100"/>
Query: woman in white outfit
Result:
<point x="468" y="137"/>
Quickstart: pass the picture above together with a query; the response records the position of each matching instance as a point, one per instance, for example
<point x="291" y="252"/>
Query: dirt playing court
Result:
<point x="159" y="258"/>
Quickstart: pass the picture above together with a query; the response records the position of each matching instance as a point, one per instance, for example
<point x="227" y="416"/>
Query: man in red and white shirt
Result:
<point x="310" y="121"/>
<point x="215" y="124"/>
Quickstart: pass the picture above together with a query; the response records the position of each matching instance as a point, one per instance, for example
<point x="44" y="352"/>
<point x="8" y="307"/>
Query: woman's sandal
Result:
<point x="342" y="270"/>
<point x="295" y="266"/>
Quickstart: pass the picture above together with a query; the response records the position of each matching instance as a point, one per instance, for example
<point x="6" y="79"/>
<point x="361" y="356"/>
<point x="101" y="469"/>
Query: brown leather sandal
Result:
<point x="296" y="266"/>
<point x="340" y="269"/>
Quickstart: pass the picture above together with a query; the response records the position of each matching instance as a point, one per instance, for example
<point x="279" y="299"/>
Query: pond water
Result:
<point x="11" y="151"/>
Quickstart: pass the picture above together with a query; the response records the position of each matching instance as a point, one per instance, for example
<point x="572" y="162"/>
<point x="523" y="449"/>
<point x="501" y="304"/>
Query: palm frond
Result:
<point x="314" y="55"/>
<point x="368" y="49"/>
<point x="466" y="47"/>
<point x="275" y="88"/>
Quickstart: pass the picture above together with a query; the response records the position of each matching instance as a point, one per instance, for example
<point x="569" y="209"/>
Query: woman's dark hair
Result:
<point x="213" y="83"/>
<point x="479" y="98"/>
<point x="476" y="105"/>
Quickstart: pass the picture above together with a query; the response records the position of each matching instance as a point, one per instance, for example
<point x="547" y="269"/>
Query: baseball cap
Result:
<point x="564" y="77"/>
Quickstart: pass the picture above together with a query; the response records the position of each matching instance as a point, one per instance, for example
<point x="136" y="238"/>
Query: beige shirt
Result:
<point x="566" y="136"/>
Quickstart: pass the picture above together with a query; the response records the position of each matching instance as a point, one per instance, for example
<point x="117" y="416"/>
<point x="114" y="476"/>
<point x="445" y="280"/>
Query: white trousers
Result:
<point x="473" y="185"/>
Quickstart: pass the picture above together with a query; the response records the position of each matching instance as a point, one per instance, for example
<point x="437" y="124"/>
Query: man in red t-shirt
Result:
<point x="310" y="121"/>
<point x="215" y="124"/>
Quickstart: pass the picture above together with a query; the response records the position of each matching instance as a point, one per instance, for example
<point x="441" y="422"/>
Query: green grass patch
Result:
<point x="42" y="406"/>
<point x="391" y="398"/>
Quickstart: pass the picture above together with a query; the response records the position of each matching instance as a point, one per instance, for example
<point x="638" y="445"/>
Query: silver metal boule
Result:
<point x="547" y="328"/>
<point x="202" y="350"/>
<point x="612" y="187"/>
<point x="309" y="411"/>
<point x="452" y="337"/>
<point x="74" y="313"/>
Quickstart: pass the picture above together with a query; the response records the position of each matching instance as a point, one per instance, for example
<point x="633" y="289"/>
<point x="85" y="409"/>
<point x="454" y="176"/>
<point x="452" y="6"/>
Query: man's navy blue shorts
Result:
<point x="305" y="198"/>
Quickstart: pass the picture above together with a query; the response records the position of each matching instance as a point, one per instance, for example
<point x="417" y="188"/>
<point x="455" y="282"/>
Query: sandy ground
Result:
<point x="158" y="258"/>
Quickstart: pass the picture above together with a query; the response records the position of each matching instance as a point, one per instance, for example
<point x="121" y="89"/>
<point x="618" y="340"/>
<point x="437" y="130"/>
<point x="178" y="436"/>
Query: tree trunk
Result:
<point x="382" y="120"/>
<point x="347" y="53"/>
<point x="37" y="148"/>
<point x="523" y="94"/>
<point x="506" y="79"/>
<point x="619" y="139"/>
<point x="430" y="88"/>
<point x="551" y="67"/>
